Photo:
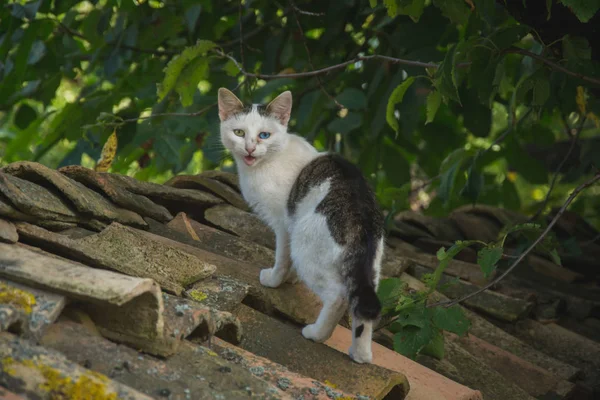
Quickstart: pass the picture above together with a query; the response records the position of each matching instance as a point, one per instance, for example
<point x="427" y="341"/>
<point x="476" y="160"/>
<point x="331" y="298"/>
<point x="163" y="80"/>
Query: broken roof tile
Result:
<point x="127" y="250"/>
<point x="242" y="223"/>
<point x="424" y="383"/>
<point x="84" y="200"/>
<point x="213" y="186"/>
<point x="35" y="200"/>
<point x="194" y="372"/>
<point x="118" y="194"/>
<point x="39" y="373"/>
<point x="218" y="292"/>
<point x="440" y="228"/>
<point x="223" y="243"/>
<point x="8" y="232"/>
<point x="285" y="345"/>
<point x="32" y="309"/>
<point x="293" y="384"/>
<point x="223" y="176"/>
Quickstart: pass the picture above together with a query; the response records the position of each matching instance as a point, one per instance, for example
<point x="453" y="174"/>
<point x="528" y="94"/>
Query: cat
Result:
<point x="328" y="226"/>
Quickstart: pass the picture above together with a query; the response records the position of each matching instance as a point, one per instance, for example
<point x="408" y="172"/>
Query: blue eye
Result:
<point x="264" y="135"/>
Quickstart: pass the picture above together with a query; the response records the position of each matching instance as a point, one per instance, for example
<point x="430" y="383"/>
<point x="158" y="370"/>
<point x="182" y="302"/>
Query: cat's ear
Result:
<point x="229" y="104"/>
<point x="281" y="107"/>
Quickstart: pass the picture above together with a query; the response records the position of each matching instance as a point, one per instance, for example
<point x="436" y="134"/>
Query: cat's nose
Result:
<point x="250" y="150"/>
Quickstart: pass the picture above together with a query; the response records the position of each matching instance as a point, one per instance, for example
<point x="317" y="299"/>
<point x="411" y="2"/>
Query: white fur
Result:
<point x="303" y="240"/>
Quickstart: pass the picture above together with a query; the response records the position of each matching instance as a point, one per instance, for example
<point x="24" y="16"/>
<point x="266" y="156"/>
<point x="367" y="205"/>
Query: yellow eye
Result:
<point x="239" y="132"/>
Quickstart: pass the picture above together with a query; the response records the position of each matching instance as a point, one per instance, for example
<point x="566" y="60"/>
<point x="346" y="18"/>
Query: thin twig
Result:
<point x="553" y="65"/>
<point x="299" y="11"/>
<point x="560" y="212"/>
<point x="574" y="140"/>
<point x="337" y="103"/>
<point x="173" y="114"/>
<point x="591" y="241"/>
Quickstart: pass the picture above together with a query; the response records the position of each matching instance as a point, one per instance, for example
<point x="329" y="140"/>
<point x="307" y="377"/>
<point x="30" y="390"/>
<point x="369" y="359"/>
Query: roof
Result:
<point x="114" y="288"/>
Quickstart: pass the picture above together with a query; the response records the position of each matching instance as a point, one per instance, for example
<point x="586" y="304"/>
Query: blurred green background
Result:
<point x="501" y="111"/>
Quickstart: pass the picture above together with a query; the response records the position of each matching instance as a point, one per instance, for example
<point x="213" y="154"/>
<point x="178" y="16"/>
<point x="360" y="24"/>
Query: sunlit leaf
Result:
<point x="395" y="98"/>
<point x="434" y="100"/>
<point x="109" y="151"/>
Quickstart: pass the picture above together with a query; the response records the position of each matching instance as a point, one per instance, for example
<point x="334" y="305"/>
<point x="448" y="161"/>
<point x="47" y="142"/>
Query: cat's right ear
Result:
<point x="229" y="104"/>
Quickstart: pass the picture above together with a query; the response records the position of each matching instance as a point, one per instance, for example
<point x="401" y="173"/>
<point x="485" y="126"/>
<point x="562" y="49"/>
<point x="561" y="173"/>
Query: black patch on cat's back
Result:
<point x="349" y="206"/>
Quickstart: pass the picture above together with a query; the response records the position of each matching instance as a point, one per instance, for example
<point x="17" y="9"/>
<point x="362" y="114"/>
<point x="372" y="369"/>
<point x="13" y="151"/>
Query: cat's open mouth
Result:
<point x="249" y="160"/>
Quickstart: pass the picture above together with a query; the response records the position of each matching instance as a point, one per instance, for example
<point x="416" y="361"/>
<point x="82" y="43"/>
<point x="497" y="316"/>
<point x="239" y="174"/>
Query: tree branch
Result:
<point x="560" y="212"/>
<point x="553" y="65"/>
<point x="574" y="140"/>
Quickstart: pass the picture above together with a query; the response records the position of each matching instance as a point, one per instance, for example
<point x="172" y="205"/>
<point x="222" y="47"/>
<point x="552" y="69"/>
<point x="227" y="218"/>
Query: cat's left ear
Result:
<point x="281" y="107"/>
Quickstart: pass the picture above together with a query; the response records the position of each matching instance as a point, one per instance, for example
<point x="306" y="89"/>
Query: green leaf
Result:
<point x="347" y="124"/>
<point x="392" y="7"/>
<point x="395" y="98"/>
<point x="435" y="348"/>
<point x="416" y="315"/>
<point x="576" y="47"/>
<point x="506" y="36"/>
<point x="178" y="63"/>
<point x="396" y="167"/>
<point x="434" y="99"/>
<point x="456" y="10"/>
<point x="555" y="257"/>
<point x="352" y="98"/>
<point x="389" y="292"/>
<point x="187" y="81"/>
<point x="451" y="319"/>
<point x="526" y="226"/>
<point x="488" y="258"/>
<point x="583" y="9"/>
<point x="541" y="92"/>
<point x="412" y="8"/>
<point x="373" y="3"/>
<point x="24" y="116"/>
<point x="445" y="78"/>
<point x="474" y="185"/>
<point x="447" y="181"/>
<point x="411" y="339"/>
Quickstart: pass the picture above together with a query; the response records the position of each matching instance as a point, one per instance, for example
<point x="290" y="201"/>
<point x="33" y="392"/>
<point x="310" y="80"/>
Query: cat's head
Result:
<point x="257" y="132"/>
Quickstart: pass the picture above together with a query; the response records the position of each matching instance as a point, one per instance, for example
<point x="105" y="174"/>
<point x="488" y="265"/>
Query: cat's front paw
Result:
<point x="268" y="278"/>
<point x="361" y="355"/>
<point x="312" y="332"/>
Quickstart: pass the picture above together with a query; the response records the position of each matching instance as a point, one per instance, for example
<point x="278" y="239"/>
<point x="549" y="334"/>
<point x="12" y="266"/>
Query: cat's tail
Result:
<point x="364" y="302"/>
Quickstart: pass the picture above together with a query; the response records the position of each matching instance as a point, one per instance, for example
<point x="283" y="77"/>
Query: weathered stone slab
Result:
<point x="441" y="228"/>
<point x="489" y="332"/>
<point x="113" y="300"/>
<point x="293" y="300"/>
<point x="285" y="345"/>
<point x="464" y="368"/>
<point x="218" y="292"/>
<point x="31" y="309"/>
<point x="8" y="232"/>
<point x="213" y="186"/>
<point x="35" y="200"/>
<point x="162" y="193"/>
<point x="424" y="382"/>
<point x="84" y="200"/>
<point x="126" y="250"/>
<point x="195" y="372"/>
<point x="225" y="177"/>
<point x="294" y="385"/>
<point x="489" y="302"/>
<point x="565" y="345"/>
<point x="118" y="194"/>
<point x="38" y="373"/>
<point x="242" y="223"/>
<point x="531" y="378"/>
<point x="220" y="242"/>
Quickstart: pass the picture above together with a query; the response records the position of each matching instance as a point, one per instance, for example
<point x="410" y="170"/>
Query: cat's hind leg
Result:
<point x="362" y="333"/>
<point x="335" y="303"/>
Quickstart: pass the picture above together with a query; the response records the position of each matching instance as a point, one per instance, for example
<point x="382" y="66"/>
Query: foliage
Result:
<point x="418" y="324"/>
<point x="481" y="99"/>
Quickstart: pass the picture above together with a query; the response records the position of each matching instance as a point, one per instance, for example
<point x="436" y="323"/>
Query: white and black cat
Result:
<point x="328" y="226"/>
